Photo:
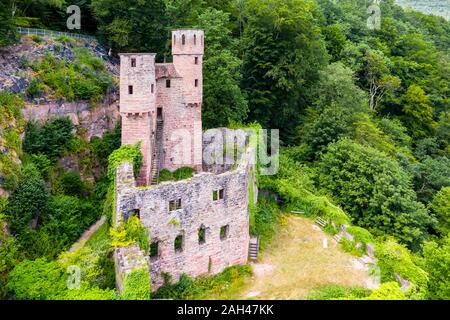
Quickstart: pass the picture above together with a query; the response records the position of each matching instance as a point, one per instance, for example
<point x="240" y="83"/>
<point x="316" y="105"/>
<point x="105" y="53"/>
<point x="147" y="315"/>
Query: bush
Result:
<point x="70" y="183"/>
<point x="387" y="291"/>
<point x="165" y="175"/>
<point x="203" y="287"/>
<point x="336" y="292"/>
<point x="437" y="264"/>
<point x="183" y="173"/>
<point x="27" y="202"/>
<point x="125" y="153"/>
<point x="394" y="259"/>
<point x="50" y="139"/>
<point x="136" y="285"/>
<point x="36" y="280"/>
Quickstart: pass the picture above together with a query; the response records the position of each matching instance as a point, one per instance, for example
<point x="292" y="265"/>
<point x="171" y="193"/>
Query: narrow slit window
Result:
<point x="153" y="88"/>
<point x="196" y="82"/>
<point x="201" y="235"/>
<point x="133" y="62"/>
<point x="174" y="39"/>
<point x="196" y="60"/>
<point x="215" y="195"/>
<point x="221" y="194"/>
<point x="168" y="83"/>
<point x="183" y="39"/>
<point x="195" y="39"/>
<point x="154" y="249"/>
<point x="178" y="243"/>
<point x="130" y="89"/>
<point x="224" y="232"/>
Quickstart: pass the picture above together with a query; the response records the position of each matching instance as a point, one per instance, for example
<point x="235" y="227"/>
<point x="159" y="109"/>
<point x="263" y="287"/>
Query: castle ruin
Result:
<point x="199" y="225"/>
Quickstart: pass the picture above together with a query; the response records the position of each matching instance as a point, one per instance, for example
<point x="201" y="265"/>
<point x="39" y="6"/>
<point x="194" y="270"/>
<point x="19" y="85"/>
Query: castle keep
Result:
<point x="199" y="225"/>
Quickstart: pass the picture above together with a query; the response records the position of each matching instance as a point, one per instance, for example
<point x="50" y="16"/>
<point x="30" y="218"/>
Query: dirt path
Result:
<point x="297" y="262"/>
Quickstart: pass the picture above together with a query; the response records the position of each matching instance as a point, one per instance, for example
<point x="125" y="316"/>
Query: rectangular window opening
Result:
<point x="196" y="82"/>
<point x="224" y="232"/>
<point x="196" y="60"/>
<point x="153" y="88"/>
<point x="178" y="243"/>
<point x="130" y="89"/>
<point x="136" y="213"/>
<point x="154" y="249"/>
<point x="133" y="62"/>
<point x="168" y="83"/>
<point x="201" y="235"/>
<point x="174" y="205"/>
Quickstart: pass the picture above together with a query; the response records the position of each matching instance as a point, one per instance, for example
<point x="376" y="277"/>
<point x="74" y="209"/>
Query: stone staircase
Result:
<point x="253" y="248"/>
<point x="157" y="151"/>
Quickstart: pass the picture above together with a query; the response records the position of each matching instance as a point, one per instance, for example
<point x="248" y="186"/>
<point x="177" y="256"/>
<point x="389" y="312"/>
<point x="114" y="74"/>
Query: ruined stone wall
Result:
<point x="198" y="210"/>
<point x="126" y="260"/>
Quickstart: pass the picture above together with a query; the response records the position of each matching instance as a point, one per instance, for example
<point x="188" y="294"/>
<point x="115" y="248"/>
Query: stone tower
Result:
<point x="185" y="115"/>
<point x="138" y="105"/>
<point x="160" y="105"/>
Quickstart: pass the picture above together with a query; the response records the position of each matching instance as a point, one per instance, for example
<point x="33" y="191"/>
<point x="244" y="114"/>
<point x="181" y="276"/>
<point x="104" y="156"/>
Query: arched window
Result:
<point x="195" y="39"/>
<point x="183" y="39"/>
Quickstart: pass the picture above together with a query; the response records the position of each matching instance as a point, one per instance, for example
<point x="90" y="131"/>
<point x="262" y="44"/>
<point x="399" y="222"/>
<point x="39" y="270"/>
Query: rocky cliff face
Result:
<point x="94" y="121"/>
<point x="15" y="59"/>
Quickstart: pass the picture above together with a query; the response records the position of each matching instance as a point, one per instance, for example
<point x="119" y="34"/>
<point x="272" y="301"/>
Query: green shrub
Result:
<point x="437" y="263"/>
<point x="37" y="39"/>
<point x="393" y="259"/>
<point x="203" y="287"/>
<point x="387" y="291"/>
<point x="37" y="280"/>
<point x="136" y="285"/>
<point x="165" y="175"/>
<point x="125" y="153"/>
<point x="28" y="201"/>
<point x="50" y="139"/>
<point x="336" y="292"/>
<point x="183" y="173"/>
<point x="35" y="89"/>
<point x="84" y="79"/>
<point x="70" y="183"/>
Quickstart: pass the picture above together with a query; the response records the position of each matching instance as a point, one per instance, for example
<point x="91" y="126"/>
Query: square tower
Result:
<point x="137" y="105"/>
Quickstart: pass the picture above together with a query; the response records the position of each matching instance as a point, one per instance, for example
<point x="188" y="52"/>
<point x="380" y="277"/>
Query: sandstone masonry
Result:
<point x="197" y="226"/>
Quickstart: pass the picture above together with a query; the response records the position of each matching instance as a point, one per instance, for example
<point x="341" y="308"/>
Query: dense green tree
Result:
<point x="7" y="30"/>
<point x="133" y="25"/>
<point x="418" y="110"/>
<point x="437" y="264"/>
<point x="431" y="175"/>
<point x="222" y="103"/>
<point x="440" y="206"/>
<point x="50" y="139"/>
<point x="27" y="202"/>
<point x="10" y="256"/>
<point x="375" y="190"/>
<point x="37" y="280"/>
<point x="283" y="50"/>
